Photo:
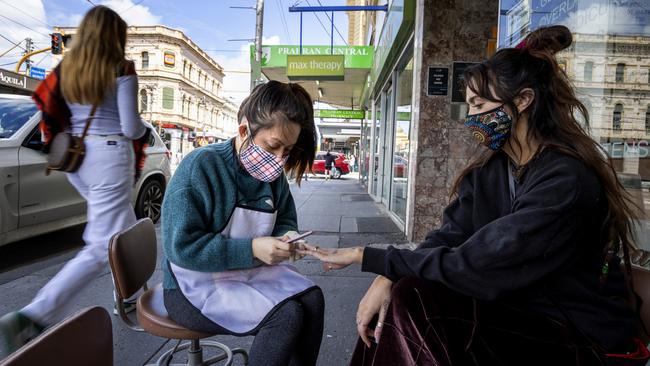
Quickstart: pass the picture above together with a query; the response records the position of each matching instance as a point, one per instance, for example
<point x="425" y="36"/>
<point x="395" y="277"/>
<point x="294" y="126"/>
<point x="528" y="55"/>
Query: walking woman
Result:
<point x="523" y="270"/>
<point x="227" y="210"/>
<point x="94" y="83"/>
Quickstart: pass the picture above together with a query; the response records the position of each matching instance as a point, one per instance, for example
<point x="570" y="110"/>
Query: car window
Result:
<point x="152" y="139"/>
<point x="320" y="157"/>
<point x="14" y="113"/>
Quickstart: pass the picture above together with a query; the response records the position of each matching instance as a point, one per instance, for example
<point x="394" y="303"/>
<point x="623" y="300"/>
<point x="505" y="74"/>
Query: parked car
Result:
<point x="400" y="166"/>
<point x="341" y="165"/>
<point x="32" y="203"/>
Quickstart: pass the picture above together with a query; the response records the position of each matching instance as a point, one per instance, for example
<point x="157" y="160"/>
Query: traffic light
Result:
<point x="57" y="43"/>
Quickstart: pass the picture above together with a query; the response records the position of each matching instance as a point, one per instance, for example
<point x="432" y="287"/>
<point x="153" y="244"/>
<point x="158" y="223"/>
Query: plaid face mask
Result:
<point x="491" y="128"/>
<point x="261" y="164"/>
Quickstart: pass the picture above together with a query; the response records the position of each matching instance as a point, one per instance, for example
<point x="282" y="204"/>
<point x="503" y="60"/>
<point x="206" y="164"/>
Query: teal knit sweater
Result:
<point x="199" y="201"/>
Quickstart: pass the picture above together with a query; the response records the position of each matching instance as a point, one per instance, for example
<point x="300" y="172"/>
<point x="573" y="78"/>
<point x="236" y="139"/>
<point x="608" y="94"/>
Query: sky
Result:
<point x="209" y="23"/>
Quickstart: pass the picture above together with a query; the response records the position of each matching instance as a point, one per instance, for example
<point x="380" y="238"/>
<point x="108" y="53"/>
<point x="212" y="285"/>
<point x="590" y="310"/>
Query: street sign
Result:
<point x="37" y="73"/>
<point x="316" y="67"/>
<point x="339" y="113"/>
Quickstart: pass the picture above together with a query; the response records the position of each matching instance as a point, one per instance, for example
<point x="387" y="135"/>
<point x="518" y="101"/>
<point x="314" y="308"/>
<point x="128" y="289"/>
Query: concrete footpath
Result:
<point x="339" y="212"/>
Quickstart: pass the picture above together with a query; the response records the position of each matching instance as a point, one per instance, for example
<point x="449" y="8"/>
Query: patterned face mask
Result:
<point x="261" y="164"/>
<point x="491" y="128"/>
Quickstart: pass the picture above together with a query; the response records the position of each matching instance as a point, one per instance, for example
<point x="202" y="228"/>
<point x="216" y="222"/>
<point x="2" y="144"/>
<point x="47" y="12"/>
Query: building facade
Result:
<point x="611" y="74"/>
<point x="361" y="23"/>
<point x="180" y="88"/>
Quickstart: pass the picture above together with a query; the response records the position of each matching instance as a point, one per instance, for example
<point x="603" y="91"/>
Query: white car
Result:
<point x="32" y="203"/>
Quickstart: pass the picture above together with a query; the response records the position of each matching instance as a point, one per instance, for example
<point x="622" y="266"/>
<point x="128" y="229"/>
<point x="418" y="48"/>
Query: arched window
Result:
<point x="144" y="100"/>
<point x="617" y="118"/>
<point x="145" y="60"/>
<point x="620" y="73"/>
<point x="589" y="68"/>
<point x="647" y="120"/>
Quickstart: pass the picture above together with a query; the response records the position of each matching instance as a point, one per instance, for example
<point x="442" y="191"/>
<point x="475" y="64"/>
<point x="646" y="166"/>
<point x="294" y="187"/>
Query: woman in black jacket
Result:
<point x="523" y="270"/>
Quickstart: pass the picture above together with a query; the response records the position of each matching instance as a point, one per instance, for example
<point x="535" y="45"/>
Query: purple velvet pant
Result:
<point x="428" y="324"/>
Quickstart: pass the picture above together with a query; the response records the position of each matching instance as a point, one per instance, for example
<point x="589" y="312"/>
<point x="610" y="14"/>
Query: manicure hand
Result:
<point x="334" y="258"/>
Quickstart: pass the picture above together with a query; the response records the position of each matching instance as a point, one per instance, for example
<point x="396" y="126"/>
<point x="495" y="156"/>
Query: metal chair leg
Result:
<point x="195" y="354"/>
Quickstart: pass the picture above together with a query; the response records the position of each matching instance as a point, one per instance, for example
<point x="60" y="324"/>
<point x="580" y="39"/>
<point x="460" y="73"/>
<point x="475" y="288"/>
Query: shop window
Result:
<point x="589" y="69"/>
<point x="145" y="60"/>
<point x="617" y="118"/>
<point x="168" y="98"/>
<point x="620" y="73"/>
<point x="647" y="120"/>
<point x="144" y="100"/>
<point x="401" y="137"/>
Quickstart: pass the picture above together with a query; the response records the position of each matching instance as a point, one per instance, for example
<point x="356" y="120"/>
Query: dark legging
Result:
<point x="290" y="335"/>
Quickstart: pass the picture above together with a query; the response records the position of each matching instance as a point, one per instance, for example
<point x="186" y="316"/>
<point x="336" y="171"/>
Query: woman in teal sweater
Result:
<point x="226" y="212"/>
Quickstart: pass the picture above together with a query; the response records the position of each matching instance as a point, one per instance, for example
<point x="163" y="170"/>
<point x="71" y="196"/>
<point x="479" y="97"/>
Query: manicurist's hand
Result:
<point x="271" y="250"/>
<point x="375" y="301"/>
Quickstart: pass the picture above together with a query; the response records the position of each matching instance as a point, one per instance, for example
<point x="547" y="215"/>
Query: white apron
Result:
<point x="239" y="300"/>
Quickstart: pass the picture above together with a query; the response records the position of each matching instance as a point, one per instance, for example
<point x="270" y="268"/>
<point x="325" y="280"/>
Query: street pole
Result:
<point x="28" y="62"/>
<point x="256" y="67"/>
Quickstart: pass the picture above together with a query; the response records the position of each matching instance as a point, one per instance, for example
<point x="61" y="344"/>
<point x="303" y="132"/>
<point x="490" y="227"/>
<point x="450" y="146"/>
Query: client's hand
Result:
<point x="271" y="250"/>
<point x="375" y="301"/>
<point x="334" y="258"/>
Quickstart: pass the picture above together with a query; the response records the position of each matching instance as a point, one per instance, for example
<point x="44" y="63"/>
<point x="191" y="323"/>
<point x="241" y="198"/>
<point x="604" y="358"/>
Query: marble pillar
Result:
<point x="445" y="31"/>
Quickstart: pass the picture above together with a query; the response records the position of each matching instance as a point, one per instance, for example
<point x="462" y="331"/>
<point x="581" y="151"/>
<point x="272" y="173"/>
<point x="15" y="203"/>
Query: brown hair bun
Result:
<point x="551" y="39"/>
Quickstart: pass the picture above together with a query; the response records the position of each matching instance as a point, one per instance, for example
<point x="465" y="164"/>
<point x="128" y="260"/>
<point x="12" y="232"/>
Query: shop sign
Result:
<point x="339" y="113"/>
<point x="457" y="82"/>
<point x="627" y="149"/>
<point x="12" y="79"/>
<point x="170" y="58"/>
<point x="388" y="35"/>
<point x="518" y="22"/>
<point x="356" y="57"/>
<point x="438" y="81"/>
<point x="581" y="16"/>
<point x="316" y="67"/>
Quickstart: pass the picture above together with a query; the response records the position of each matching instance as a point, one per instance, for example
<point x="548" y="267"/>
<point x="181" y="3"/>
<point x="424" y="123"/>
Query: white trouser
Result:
<point x="105" y="180"/>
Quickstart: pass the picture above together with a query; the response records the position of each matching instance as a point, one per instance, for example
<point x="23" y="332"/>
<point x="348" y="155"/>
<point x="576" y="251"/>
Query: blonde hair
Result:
<point x="91" y="66"/>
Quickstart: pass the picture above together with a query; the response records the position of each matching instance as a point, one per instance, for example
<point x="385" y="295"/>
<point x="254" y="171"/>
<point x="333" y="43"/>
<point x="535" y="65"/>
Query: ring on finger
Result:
<point x="380" y="324"/>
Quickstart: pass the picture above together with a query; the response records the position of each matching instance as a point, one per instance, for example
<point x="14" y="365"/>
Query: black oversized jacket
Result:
<point x="542" y="252"/>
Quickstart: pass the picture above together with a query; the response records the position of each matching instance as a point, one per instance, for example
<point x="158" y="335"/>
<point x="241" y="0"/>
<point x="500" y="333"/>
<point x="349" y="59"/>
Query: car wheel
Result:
<point x="336" y="174"/>
<point x="150" y="198"/>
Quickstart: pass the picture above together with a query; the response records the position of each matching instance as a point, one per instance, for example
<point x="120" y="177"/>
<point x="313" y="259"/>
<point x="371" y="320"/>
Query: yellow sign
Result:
<point x="170" y="58"/>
